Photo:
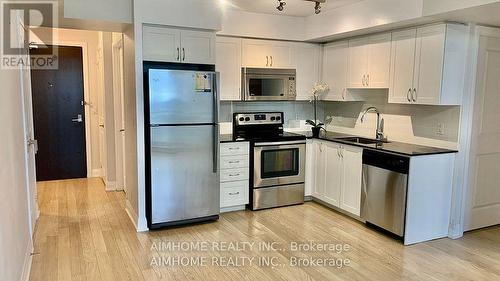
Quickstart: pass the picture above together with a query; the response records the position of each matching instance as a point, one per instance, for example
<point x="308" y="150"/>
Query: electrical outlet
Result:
<point x="440" y="129"/>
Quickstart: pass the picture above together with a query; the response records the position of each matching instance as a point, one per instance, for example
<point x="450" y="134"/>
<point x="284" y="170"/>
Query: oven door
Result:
<point x="268" y="88"/>
<point x="279" y="163"/>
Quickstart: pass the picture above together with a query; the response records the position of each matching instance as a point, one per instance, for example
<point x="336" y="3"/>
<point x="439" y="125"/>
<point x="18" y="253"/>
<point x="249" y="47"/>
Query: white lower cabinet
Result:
<point x="337" y="176"/>
<point x="234" y="175"/>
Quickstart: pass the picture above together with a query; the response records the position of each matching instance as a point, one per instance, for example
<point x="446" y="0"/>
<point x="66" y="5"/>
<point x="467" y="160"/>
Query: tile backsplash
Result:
<point x="420" y="124"/>
<point x="294" y="111"/>
<point x="429" y="125"/>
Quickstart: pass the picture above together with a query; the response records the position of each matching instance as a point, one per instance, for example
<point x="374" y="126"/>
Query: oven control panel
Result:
<point x="258" y="118"/>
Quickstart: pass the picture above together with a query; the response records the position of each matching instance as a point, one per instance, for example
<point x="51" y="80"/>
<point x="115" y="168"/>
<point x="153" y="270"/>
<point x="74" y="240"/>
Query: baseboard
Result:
<point x="96" y="173"/>
<point x="308" y="198"/>
<point x="28" y="259"/>
<point x="140" y="225"/>
<point x="232" y="209"/>
<point x="110" y="185"/>
<point x="455" y="231"/>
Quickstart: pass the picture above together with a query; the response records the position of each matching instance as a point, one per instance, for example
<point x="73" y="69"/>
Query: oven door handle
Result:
<point x="260" y="144"/>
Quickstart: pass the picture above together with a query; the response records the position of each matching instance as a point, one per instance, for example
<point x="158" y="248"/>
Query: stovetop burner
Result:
<point x="261" y="127"/>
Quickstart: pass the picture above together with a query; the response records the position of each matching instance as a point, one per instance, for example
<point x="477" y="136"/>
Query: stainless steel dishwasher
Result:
<point x="384" y="189"/>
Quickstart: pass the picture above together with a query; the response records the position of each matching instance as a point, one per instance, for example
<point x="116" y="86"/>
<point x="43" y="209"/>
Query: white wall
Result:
<point x="110" y="10"/>
<point x="204" y="14"/>
<point x="15" y="240"/>
<point x="91" y="40"/>
<point x="246" y="24"/>
<point x="431" y="7"/>
<point x="109" y="110"/>
<point x="361" y="15"/>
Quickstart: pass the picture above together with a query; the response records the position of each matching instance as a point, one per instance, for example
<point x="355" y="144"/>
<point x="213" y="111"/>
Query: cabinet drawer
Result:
<point x="234" y="148"/>
<point x="234" y="175"/>
<point x="234" y="194"/>
<point x="234" y="162"/>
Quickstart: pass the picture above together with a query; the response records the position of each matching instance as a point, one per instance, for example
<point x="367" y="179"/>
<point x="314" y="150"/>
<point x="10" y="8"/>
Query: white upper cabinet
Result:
<point x="267" y="54"/>
<point x="178" y="45"/>
<point x="307" y="57"/>
<point x="369" y="62"/>
<point x="428" y="65"/>
<point x="229" y="65"/>
<point x="161" y="44"/>
<point x="198" y="47"/>
<point x="402" y="66"/>
<point x="335" y="61"/>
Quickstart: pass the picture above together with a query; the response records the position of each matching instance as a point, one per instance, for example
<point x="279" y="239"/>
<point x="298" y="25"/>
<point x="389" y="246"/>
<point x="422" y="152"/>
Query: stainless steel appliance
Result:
<point x="278" y="160"/>
<point x="384" y="189"/>
<point x="267" y="84"/>
<point x="182" y="140"/>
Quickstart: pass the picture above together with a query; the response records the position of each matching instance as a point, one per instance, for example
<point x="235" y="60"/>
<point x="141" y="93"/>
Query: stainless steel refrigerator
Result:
<point x="182" y="144"/>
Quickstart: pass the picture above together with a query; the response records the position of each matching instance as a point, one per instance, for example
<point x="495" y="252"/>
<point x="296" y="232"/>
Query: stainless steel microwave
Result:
<point x="266" y="84"/>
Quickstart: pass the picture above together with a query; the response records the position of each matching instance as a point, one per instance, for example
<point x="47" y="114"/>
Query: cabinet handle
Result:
<point x="414" y="96"/>
<point x="234" y="162"/>
<point x="183" y="54"/>
<point x="271" y="60"/>
<point x="267" y="60"/>
<point x="234" y="193"/>
<point x="408" y="95"/>
<point x="363" y="80"/>
<point x="367" y="80"/>
<point x="234" y="175"/>
<point x="178" y="54"/>
<point x="234" y="148"/>
<point x="343" y="94"/>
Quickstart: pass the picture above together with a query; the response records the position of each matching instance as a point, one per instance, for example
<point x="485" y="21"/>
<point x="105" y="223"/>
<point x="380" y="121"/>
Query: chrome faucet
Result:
<point x="380" y="122"/>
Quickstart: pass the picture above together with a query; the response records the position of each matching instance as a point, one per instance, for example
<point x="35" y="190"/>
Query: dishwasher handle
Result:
<point x="387" y="161"/>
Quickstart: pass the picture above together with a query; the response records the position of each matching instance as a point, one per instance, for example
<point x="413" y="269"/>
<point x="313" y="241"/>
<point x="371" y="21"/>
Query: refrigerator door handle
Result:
<point x="215" y="81"/>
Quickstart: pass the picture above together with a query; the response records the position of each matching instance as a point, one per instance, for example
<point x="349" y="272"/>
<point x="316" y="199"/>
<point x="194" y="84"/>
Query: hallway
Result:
<point x="84" y="234"/>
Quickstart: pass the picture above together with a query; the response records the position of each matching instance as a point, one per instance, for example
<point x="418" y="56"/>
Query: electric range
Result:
<point x="277" y="159"/>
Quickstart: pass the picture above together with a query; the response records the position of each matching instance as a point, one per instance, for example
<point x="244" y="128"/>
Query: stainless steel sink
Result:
<point x="362" y="140"/>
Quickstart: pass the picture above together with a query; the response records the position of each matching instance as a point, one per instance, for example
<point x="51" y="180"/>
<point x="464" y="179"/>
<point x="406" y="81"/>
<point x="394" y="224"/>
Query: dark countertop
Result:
<point x="391" y="147"/>
<point x="407" y="149"/>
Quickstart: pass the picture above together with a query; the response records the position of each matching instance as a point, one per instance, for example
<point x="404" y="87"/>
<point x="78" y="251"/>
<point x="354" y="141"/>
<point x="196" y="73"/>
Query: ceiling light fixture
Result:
<point x="317" y="6"/>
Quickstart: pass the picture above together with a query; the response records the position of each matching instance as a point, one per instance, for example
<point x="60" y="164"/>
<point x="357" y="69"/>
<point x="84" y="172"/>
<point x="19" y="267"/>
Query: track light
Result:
<point x="281" y="5"/>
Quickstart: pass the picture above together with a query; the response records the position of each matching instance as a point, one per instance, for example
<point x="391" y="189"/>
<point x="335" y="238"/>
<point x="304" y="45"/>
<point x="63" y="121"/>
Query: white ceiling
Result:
<point x="298" y="8"/>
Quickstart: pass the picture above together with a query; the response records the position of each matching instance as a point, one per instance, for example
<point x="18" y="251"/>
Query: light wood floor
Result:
<point x="85" y="234"/>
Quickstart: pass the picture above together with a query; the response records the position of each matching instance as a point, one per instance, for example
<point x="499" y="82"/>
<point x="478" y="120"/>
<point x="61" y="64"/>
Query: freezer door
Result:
<point x="181" y="97"/>
<point x="184" y="173"/>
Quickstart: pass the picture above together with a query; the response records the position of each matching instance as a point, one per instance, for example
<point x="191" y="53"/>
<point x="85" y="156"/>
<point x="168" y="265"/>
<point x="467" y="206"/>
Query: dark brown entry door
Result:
<point x="59" y="117"/>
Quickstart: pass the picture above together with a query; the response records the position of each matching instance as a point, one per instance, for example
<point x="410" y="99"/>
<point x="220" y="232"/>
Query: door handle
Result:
<point x="78" y="119"/>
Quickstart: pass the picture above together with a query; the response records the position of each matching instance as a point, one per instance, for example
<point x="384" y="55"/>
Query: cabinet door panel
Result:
<point x="255" y="53"/>
<point x="350" y="199"/>
<point x="335" y="64"/>
<point x="358" y="60"/>
<point x="402" y="66"/>
<point x="229" y="65"/>
<point x="281" y="55"/>
<point x="161" y="44"/>
<point x="308" y="60"/>
<point x="319" y="178"/>
<point x="429" y="64"/>
<point x="198" y="47"/>
<point x="333" y="174"/>
<point x="379" y="61"/>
